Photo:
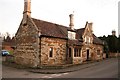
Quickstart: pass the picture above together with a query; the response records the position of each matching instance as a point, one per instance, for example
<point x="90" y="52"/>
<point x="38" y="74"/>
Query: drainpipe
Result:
<point x="39" y="49"/>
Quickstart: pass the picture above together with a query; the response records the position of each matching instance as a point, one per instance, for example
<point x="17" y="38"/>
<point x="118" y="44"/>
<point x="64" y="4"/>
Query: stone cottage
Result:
<point x="41" y="43"/>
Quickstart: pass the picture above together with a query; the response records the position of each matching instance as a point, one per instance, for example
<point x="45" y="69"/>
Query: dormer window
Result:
<point x="87" y="39"/>
<point x="71" y="35"/>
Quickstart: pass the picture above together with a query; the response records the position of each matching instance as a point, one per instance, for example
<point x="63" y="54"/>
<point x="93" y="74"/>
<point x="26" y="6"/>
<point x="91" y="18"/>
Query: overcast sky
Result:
<point x="103" y="14"/>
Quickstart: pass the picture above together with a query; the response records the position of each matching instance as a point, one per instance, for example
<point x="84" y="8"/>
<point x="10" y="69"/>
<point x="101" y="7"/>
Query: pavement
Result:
<point x="71" y="68"/>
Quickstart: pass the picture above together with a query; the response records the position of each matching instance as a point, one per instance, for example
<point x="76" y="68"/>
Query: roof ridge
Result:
<point x="50" y="22"/>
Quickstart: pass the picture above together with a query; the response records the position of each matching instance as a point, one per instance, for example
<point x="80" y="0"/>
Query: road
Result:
<point x="104" y="69"/>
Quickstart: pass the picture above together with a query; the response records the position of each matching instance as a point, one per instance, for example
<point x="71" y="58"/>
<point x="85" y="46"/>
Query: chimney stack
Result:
<point x="27" y="10"/>
<point x="71" y="21"/>
<point x="27" y="7"/>
<point x="113" y="32"/>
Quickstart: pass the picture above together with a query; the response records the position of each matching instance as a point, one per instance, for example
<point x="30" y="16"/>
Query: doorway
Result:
<point x="87" y="54"/>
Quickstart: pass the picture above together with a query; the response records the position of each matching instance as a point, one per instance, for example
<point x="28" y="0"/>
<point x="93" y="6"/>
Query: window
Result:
<point x="71" y="35"/>
<point x="51" y="52"/>
<point x="98" y="52"/>
<point x="87" y="39"/>
<point x="77" y="52"/>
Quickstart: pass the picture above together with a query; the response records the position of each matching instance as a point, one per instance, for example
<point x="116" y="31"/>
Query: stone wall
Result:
<point x="93" y="55"/>
<point x="59" y="51"/>
<point x="114" y="54"/>
<point x="26" y="51"/>
<point x="77" y="60"/>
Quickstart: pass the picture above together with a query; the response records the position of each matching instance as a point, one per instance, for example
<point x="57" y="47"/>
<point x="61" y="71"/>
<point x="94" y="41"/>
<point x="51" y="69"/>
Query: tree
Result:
<point x="104" y="39"/>
<point x="8" y="38"/>
<point x="112" y="42"/>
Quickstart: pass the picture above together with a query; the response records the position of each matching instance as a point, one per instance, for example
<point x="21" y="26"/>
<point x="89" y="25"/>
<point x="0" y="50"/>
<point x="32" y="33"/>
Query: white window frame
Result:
<point x="71" y="35"/>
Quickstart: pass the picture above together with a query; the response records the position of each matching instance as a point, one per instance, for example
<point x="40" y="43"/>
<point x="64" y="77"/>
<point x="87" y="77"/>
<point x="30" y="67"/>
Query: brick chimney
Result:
<point x="71" y="21"/>
<point x="27" y="10"/>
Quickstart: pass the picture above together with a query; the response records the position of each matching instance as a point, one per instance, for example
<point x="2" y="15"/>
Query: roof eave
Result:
<point x="52" y="37"/>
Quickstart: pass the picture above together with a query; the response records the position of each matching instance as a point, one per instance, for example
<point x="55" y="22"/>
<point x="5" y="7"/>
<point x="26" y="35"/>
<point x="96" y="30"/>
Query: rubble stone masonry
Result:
<point x="59" y="51"/>
<point x="26" y="52"/>
<point x="93" y="52"/>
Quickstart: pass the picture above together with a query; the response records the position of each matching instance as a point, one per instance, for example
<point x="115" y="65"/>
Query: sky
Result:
<point x="102" y="13"/>
<point x="119" y="18"/>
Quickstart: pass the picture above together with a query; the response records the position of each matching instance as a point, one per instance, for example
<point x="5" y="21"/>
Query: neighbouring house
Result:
<point x="40" y="42"/>
<point x="8" y="44"/>
<point x="1" y="39"/>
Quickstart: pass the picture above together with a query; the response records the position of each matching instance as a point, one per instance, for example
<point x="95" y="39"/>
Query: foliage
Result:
<point x="111" y="43"/>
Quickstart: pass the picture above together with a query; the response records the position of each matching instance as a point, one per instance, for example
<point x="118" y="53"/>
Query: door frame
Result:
<point x="88" y="53"/>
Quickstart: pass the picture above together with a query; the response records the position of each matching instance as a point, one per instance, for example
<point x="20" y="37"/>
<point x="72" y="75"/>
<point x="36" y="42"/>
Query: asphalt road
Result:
<point x="105" y="69"/>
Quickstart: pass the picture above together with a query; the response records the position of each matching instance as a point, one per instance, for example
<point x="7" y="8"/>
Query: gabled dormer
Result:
<point x="88" y="35"/>
<point x="71" y="35"/>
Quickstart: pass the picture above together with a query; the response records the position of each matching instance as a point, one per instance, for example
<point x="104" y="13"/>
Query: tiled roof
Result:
<point x="79" y="33"/>
<point x="74" y="42"/>
<point x="10" y="42"/>
<point x="51" y="29"/>
<point x="60" y="31"/>
<point x="96" y="40"/>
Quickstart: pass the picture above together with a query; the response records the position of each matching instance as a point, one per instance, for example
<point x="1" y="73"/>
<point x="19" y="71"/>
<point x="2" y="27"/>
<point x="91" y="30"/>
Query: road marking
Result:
<point x="56" y="75"/>
<point x="53" y="74"/>
<point x="50" y="77"/>
<point x="46" y="77"/>
<point x="65" y="73"/>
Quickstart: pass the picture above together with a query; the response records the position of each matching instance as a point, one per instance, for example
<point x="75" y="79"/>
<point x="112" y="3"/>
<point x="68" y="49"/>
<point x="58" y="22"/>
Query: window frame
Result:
<point x="51" y="52"/>
<point x="98" y="52"/>
<point x="71" y="35"/>
<point x="77" y="52"/>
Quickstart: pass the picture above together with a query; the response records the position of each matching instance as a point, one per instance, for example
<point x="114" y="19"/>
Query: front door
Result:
<point x="88" y="54"/>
